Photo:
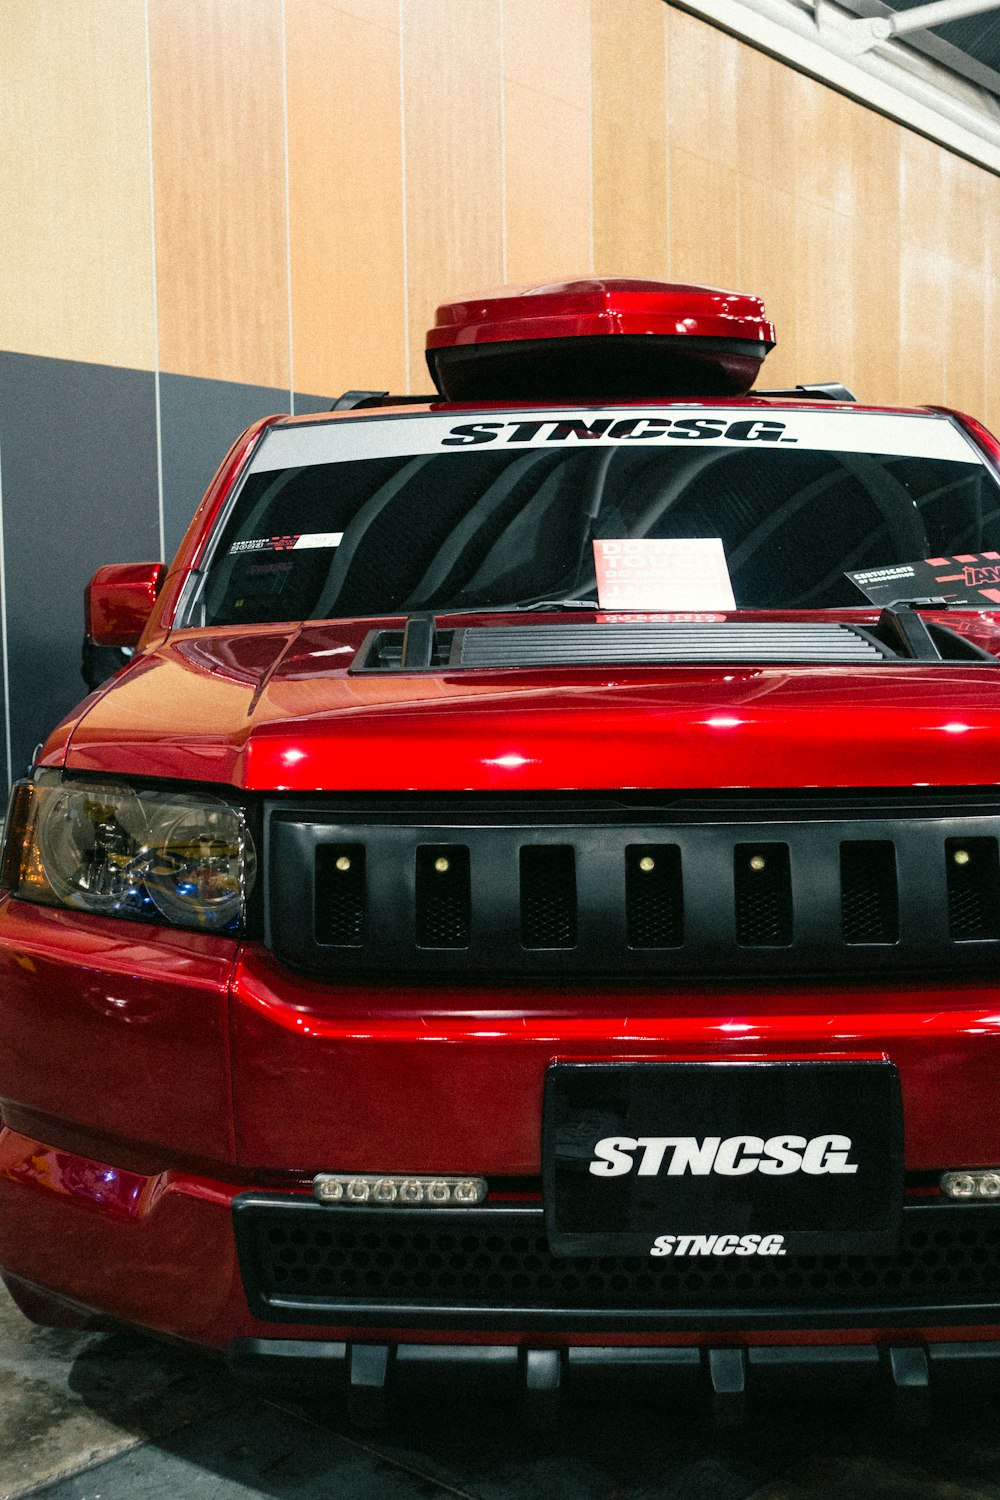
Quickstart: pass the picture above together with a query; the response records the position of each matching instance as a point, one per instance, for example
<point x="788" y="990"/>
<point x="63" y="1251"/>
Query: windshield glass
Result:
<point x="389" y="515"/>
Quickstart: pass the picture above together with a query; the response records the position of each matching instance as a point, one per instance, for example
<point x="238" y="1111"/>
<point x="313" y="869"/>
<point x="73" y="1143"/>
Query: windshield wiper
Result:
<point x="419" y="630"/>
<point x="537" y="605"/>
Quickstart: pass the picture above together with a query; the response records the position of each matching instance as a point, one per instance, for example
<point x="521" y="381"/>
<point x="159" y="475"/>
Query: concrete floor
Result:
<point x="119" y="1417"/>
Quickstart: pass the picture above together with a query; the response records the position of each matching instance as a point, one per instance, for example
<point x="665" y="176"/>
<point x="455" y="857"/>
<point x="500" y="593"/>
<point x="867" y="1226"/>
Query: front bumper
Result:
<point x="152" y="1080"/>
<point x="194" y="1258"/>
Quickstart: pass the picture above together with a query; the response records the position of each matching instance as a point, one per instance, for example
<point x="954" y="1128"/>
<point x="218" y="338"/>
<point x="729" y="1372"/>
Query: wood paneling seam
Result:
<point x="158" y="412"/>
<point x="590" y="118"/>
<point x="503" y="149"/>
<point x="3" y="629"/>
<point x="402" y="151"/>
<point x="288" y="208"/>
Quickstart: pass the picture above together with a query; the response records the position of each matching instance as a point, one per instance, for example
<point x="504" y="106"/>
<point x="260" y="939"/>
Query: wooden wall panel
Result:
<point x="547" y="46"/>
<point x="629" y="94"/>
<point x="966" y="226"/>
<point x="703" y="88"/>
<point x="875" y="286"/>
<point x="454" y="212"/>
<point x="923" y="271"/>
<point x="219" y="186"/>
<point x="74" y="182"/>
<point x="766" y="219"/>
<point x="547" y="200"/>
<point x="345" y="170"/>
<point x="703" y="219"/>
<point x="823" y="313"/>
<point x="546" y="140"/>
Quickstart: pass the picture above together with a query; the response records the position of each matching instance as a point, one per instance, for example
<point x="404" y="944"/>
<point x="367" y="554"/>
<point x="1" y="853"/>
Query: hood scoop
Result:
<point x="580" y="644"/>
<point x="584" y="644"/>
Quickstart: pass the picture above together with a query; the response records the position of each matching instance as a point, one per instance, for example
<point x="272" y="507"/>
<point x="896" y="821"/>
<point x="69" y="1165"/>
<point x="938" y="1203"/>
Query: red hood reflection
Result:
<point x="275" y="708"/>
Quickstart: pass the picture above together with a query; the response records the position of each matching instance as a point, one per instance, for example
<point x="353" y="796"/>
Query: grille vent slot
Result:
<point x="973" y="873"/>
<point x="654" y="896"/>
<point x="548" y="896"/>
<point x="340" y="895"/>
<point x="763" y="895"/>
<point x="869" y="898"/>
<point x="443" y="905"/>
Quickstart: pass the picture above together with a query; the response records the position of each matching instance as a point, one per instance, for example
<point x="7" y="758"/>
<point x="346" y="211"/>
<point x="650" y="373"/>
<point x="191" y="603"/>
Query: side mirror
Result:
<point x="119" y="600"/>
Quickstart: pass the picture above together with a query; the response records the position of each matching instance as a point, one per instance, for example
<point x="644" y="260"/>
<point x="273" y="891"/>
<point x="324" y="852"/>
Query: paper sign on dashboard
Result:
<point x="669" y="573"/>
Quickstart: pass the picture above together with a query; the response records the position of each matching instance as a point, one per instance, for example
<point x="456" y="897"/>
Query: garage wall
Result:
<point x="211" y="207"/>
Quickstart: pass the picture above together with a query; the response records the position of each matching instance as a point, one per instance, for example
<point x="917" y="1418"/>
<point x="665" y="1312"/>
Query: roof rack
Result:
<point x="351" y="400"/>
<point x="354" y="400"/>
<point x="828" y="390"/>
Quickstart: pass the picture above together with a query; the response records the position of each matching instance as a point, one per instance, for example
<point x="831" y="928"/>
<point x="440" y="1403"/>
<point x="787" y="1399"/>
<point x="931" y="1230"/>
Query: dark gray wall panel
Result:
<point x="307" y="406"/>
<point x="200" y="420"/>
<point x="78" y="456"/>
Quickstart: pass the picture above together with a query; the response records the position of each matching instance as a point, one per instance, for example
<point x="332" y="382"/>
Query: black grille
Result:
<point x="548" y="897"/>
<point x="340" y="895"/>
<point x="442" y="896"/>
<point x="304" y="1256"/>
<point x="720" y="884"/>
<point x="869" y="902"/>
<point x="654" y="896"/>
<point x="973" y="889"/>
<point x="763" y="895"/>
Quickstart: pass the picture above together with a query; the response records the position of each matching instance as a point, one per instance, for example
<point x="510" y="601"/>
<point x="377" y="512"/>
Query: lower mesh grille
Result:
<point x="495" y="1259"/>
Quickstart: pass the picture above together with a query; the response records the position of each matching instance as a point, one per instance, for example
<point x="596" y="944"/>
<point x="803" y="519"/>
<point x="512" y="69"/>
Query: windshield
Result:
<point x="390" y="515"/>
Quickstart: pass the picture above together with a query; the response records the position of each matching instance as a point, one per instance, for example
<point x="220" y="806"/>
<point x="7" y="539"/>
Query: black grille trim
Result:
<point x="869" y="897"/>
<point x="339" y="895"/>
<point x="554" y="886"/>
<point x="548" y="896"/>
<point x="490" y="1268"/>
<point x="654" y="896"/>
<point x="442" y="905"/>
<point x="763" y="890"/>
<point x="973" y="889"/>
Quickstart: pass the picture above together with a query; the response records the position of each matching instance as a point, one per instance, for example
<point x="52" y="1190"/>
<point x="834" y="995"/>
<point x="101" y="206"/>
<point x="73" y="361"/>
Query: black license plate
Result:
<point x="723" y="1159"/>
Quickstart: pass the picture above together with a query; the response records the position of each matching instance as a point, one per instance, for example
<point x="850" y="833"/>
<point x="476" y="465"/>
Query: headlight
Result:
<point x="123" y="851"/>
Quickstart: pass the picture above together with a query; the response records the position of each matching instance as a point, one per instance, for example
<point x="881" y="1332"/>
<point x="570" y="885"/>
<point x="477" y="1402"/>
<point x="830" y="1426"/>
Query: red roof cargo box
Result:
<point x="598" y="337"/>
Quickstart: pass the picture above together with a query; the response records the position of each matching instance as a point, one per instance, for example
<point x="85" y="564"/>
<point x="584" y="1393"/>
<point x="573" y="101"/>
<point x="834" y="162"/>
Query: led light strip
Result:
<point x="399" y="1191"/>
<point x="983" y="1182"/>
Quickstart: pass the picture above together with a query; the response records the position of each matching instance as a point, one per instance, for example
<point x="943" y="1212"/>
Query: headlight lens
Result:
<point x="202" y="858"/>
<point x="90" y="842"/>
<point x="121" y="851"/>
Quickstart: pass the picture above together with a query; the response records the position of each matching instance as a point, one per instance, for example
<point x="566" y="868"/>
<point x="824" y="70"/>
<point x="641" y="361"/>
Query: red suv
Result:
<point x="531" y="906"/>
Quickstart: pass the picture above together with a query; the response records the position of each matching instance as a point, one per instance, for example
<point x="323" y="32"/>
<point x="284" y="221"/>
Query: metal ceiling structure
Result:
<point x="867" y="50"/>
<point x="969" y="45"/>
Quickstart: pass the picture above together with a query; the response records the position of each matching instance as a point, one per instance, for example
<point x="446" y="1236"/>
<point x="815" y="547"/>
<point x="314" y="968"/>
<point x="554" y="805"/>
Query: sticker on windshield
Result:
<point x="685" y="573"/>
<point x="294" y="542"/>
<point x="736" y="429"/>
<point x="965" y="578"/>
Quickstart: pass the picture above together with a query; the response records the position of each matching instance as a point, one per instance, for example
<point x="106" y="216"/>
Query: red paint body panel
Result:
<point x="117" y="1026"/>
<point x="353" y="1078"/>
<point x="119" y="602"/>
<point x="271" y="709"/>
<point x="596" y="306"/>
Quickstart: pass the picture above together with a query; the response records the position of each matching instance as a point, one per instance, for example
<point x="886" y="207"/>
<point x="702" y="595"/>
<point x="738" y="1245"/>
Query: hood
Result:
<point x="274" y="709"/>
